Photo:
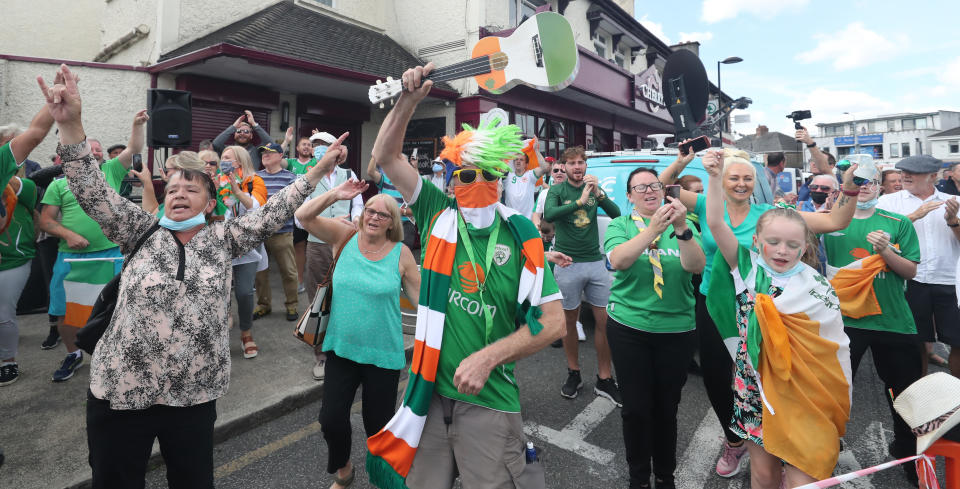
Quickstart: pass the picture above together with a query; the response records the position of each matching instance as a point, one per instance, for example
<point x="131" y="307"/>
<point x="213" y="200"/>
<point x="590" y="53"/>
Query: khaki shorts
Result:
<point x="483" y="446"/>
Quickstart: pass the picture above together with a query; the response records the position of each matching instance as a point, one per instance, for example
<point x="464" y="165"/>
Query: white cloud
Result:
<point x="700" y="37"/>
<point x="717" y="10"/>
<point x="853" y="47"/>
<point x="950" y="74"/>
<point x="655" y="29"/>
<point x="829" y="106"/>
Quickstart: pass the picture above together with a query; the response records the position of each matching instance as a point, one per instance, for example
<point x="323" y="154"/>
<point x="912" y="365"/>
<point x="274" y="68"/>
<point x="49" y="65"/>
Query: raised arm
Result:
<point x="726" y="241"/>
<point x="220" y="142"/>
<point x="22" y="145"/>
<point x="137" y="137"/>
<point x="842" y="212"/>
<point x="122" y="221"/>
<point x="670" y="174"/>
<point x="372" y="173"/>
<point x="327" y="229"/>
<point x="819" y="159"/>
<point x="148" y="201"/>
<point x="389" y="144"/>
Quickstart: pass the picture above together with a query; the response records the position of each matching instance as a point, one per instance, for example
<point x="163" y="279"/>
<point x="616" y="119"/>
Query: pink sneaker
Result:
<point x="731" y="459"/>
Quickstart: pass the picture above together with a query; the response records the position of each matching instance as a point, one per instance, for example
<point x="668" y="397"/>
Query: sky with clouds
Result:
<point x="868" y="58"/>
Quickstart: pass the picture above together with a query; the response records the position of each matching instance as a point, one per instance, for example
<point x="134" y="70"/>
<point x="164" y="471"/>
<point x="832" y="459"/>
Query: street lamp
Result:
<point x="729" y="61"/>
<point x="856" y="145"/>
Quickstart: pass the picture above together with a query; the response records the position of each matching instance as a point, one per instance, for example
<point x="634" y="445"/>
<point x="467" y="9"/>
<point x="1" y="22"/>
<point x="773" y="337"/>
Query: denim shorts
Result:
<point x="586" y="281"/>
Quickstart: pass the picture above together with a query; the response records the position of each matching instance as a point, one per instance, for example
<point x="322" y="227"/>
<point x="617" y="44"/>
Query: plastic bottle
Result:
<point x="531" y="453"/>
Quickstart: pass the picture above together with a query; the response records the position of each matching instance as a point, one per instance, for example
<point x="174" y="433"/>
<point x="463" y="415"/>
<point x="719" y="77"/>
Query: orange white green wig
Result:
<point x="487" y="147"/>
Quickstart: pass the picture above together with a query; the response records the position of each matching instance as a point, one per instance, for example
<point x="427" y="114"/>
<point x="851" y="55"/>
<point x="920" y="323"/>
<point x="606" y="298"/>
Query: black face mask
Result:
<point x="818" y="197"/>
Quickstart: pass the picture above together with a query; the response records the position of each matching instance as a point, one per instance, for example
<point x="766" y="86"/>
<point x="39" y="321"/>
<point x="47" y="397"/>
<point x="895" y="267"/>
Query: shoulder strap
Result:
<point x="139" y="244"/>
<point x="336" y="258"/>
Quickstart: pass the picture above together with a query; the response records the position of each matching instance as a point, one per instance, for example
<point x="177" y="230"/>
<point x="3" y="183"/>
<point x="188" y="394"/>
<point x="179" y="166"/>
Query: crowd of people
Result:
<point x="498" y="248"/>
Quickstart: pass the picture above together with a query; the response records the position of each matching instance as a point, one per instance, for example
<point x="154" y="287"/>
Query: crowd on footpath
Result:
<point x="499" y="249"/>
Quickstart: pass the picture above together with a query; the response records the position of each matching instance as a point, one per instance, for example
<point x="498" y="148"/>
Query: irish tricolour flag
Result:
<point x="82" y="285"/>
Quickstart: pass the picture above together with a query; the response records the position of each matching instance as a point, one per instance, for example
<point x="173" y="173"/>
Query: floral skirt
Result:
<point x="747" y="403"/>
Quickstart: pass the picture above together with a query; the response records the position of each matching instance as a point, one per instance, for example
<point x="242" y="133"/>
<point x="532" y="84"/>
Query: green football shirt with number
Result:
<point x="849" y="245"/>
<point x="58" y="193"/>
<point x="633" y="302"/>
<point x="464" y="331"/>
<point x="577" y="233"/>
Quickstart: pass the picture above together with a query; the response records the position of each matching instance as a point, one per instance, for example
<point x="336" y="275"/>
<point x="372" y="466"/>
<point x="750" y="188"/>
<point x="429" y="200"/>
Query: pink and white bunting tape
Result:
<point x="924" y="461"/>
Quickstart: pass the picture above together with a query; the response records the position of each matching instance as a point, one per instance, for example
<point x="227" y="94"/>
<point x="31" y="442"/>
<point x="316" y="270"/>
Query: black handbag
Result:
<point x="89" y="335"/>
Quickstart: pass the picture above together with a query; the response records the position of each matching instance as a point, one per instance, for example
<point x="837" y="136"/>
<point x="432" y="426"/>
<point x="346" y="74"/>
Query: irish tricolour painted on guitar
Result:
<point x="541" y="53"/>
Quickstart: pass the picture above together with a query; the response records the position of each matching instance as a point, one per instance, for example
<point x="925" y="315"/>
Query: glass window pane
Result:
<point x="905" y="149"/>
<point x="559" y="131"/>
<point x="543" y="128"/>
<point x="894" y="150"/>
<point x="921" y="123"/>
<point x="891" y="125"/>
<point x="908" y="124"/>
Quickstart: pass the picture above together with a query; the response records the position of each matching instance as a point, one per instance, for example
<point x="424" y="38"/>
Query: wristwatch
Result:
<point x="948" y="223"/>
<point x="686" y="235"/>
<point x="812" y="144"/>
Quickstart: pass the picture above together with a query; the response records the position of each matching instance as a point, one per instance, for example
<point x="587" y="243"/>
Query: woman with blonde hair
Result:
<point x="364" y="340"/>
<point x="736" y="182"/>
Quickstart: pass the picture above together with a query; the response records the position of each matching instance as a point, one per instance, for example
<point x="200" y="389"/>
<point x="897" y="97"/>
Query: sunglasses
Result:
<point x="375" y="215"/>
<point x="642" y="187"/>
<point x="824" y="188"/>
<point x="243" y="131"/>
<point x="211" y="162"/>
<point x="469" y="175"/>
<point x="558" y="170"/>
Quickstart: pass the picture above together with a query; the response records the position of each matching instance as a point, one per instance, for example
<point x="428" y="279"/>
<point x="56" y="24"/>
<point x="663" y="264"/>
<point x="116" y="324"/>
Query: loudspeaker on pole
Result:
<point x="171" y="122"/>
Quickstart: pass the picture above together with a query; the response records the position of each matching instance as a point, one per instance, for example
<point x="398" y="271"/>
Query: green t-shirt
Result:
<point x="295" y="166"/>
<point x="849" y="245"/>
<point x="17" y="242"/>
<point x="465" y="328"/>
<point x="633" y="302"/>
<point x="744" y="233"/>
<point x="58" y="193"/>
<point x="577" y="234"/>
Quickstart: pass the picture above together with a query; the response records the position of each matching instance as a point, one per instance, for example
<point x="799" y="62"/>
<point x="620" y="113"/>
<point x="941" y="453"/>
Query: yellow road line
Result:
<point x="250" y="457"/>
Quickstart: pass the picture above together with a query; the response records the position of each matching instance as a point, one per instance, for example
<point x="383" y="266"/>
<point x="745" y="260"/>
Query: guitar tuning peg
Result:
<point x="381" y="105"/>
<point x="379" y="82"/>
<point x="389" y="79"/>
<point x="391" y="102"/>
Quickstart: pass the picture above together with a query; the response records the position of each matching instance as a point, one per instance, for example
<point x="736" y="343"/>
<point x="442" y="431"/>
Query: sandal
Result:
<point x="250" y="349"/>
<point x="346" y="481"/>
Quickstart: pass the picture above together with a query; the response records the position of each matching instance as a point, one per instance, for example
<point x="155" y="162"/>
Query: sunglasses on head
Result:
<point x="469" y="175"/>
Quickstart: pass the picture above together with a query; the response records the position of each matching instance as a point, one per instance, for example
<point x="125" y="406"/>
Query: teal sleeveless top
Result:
<point x="365" y="324"/>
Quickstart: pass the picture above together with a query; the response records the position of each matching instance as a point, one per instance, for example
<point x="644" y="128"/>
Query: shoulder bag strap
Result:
<point x="336" y="258"/>
<point x="139" y="244"/>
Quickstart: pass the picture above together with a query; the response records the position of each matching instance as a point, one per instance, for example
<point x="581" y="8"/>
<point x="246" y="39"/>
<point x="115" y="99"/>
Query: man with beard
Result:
<point x="483" y="267"/>
<point x="572" y="207"/>
<point x="931" y="293"/>
<point x="243" y="130"/>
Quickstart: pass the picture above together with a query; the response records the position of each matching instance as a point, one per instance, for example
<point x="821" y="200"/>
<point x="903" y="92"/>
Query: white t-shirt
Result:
<point x="518" y="192"/>
<point x="541" y="201"/>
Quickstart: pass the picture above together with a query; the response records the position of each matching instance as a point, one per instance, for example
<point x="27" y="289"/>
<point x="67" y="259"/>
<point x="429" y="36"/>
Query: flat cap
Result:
<point x="920" y="164"/>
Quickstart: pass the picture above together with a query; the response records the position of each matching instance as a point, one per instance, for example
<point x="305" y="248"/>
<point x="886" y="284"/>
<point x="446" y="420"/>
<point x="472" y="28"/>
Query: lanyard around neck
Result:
<point x="488" y="259"/>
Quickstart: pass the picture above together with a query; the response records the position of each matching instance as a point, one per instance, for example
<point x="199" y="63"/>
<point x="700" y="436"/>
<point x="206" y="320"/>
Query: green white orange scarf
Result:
<point x="391" y="451"/>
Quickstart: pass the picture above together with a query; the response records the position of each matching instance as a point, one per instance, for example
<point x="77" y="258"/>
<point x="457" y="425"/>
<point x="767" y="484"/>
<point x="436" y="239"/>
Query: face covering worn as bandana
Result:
<point x="818" y="197"/>
<point x="476" y="201"/>
<point x="183" y="225"/>
<point x="319" y="151"/>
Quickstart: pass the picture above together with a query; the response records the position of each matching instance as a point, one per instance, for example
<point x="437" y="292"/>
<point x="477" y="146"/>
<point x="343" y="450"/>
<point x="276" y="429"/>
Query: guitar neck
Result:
<point x="471" y="67"/>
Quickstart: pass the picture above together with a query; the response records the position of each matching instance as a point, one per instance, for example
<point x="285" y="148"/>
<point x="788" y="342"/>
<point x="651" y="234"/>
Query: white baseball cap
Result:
<point x="325" y="137"/>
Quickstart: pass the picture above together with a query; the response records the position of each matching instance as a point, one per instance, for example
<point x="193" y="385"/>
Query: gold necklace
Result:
<point x="370" y="251"/>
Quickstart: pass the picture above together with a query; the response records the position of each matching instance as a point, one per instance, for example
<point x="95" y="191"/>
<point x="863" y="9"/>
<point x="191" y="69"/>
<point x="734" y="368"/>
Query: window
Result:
<point x="891" y="125"/>
<point x="894" y="150"/>
<point x="600" y="44"/>
<point x="905" y="149"/>
<point x="325" y="3"/>
<point x="521" y="10"/>
<point x="909" y="124"/>
<point x="554" y="135"/>
<point x="619" y="59"/>
<point x="921" y="123"/>
<point x="872" y="126"/>
<point x="954" y="147"/>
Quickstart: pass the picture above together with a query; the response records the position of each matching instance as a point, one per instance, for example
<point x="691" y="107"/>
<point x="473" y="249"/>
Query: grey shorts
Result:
<point x="483" y="446"/>
<point x="587" y="280"/>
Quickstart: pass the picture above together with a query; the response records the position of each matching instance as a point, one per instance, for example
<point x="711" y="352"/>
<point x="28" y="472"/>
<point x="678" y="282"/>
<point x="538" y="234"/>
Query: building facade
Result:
<point x="945" y="145"/>
<point x="888" y="138"/>
<point x="308" y="64"/>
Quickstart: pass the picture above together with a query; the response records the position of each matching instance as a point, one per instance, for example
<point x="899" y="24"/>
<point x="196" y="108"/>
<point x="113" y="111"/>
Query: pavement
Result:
<point x="43" y="434"/>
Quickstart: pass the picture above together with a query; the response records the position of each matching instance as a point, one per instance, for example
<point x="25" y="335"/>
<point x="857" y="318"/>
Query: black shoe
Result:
<point x="53" y="339"/>
<point x="664" y="483"/>
<point x="608" y="388"/>
<point x="557" y="344"/>
<point x="69" y="367"/>
<point x="9" y="374"/>
<point x="572" y="386"/>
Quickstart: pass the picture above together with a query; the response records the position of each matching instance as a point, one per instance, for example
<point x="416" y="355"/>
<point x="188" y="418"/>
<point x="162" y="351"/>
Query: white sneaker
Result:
<point x="319" y="370"/>
<point x="301" y="289"/>
<point x="580" y="334"/>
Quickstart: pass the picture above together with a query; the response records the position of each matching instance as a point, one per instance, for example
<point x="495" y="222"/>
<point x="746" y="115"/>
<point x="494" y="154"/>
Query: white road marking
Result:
<point x="847" y="462"/>
<point x="571" y="437"/>
<point x="698" y="463"/>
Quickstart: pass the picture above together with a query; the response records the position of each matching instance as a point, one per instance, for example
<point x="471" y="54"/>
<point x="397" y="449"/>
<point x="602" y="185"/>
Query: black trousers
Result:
<point x="935" y="311"/>
<point x="716" y="367"/>
<point x="120" y="444"/>
<point x="899" y="363"/>
<point x="651" y="370"/>
<point x="340" y="386"/>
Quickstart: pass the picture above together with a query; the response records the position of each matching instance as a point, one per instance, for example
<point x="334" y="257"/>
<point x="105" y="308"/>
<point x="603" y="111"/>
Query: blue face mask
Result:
<point x="773" y="273"/>
<point x="193" y="222"/>
<point x="437" y="167"/>
<point x="870" y="204"/>
<point x="319" y="151"/>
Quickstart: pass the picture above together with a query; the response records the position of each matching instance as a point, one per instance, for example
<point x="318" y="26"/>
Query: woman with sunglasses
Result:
<point x="651" y="325"/>
<point x="738" y="179"/>
<point x="364" y="339"/>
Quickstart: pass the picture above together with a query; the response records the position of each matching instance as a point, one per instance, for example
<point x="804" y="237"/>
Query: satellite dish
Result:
<point x="687" y="65"/>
